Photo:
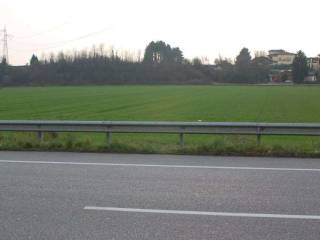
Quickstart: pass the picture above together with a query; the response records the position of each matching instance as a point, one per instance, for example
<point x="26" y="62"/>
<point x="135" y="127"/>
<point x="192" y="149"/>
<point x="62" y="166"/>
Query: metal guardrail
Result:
<point x="181" y="128"/>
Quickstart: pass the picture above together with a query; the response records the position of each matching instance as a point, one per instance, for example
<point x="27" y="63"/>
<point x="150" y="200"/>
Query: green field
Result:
<point x="167" y="103"/>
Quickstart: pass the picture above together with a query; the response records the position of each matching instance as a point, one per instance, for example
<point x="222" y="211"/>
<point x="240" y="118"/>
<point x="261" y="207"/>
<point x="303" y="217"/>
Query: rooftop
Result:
<point x="279" y="52"/>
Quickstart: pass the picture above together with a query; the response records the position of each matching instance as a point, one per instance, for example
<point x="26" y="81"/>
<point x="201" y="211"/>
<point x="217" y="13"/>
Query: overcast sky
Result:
<point x="199" y="27"/>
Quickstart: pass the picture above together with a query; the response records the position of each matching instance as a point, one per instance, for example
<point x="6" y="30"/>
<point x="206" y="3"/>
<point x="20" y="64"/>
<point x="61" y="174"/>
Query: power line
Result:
<point x="43" y="32"/>
<point x="62" y="43"/>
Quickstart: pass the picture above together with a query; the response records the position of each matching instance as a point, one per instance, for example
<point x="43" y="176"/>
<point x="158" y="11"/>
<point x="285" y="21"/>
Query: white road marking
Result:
<point x="201" y="213"/>
<point x="160" y="166"/>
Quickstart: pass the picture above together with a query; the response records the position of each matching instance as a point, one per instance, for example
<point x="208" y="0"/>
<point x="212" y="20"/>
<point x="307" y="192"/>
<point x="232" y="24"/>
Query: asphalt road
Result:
<point x="109" y="196"/>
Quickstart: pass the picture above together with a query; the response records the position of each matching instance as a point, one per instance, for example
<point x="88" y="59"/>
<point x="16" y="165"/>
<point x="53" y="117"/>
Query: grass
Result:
<point x="164" y="103"/>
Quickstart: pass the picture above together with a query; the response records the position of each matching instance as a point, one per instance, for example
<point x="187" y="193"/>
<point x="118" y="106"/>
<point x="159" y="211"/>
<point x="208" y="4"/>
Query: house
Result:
<point x="281" y="57"/>
<point x="282" y="66"/>
<point x="314" y="64"/>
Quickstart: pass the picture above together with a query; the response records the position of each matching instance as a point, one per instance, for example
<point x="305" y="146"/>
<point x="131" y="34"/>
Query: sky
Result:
<point x="202" y="28"/>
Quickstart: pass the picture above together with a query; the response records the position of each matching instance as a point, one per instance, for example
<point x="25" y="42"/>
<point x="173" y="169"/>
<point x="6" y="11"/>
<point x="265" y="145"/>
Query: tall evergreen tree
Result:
<point x="242" y="67"/>
<point x="34" y="60"/>
<point x="243" y="60"/>
<point x="177" y="55"/>
<point x="300" y="67"/>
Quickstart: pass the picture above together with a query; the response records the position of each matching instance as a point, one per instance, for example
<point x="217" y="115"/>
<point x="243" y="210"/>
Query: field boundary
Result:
<point x="180" y="128"/>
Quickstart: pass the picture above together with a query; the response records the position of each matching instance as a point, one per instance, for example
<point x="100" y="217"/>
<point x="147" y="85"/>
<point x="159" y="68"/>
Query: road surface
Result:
<point x="117" y="196"/>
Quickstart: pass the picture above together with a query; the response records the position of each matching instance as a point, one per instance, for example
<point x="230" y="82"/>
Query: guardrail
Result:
<point x="181" y="128"/>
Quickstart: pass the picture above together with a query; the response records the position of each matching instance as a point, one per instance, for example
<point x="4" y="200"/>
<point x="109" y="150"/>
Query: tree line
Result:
<point x="160" y="64"/>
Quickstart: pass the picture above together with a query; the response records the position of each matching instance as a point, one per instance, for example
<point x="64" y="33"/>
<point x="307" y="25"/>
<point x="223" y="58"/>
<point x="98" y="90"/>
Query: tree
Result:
<point x="243" y="60"/>
<point x="260" y="69"/>
<point x="224" y="70"/>
<point x="4" y="62"/>
<point x="110" y="66"/>
<point x="34" y="60"/>
<point x="196" y="61"/>
<point x="242" y="66"/>
<point x="177" y="55"/>
<point x="3" y="71"/>
<point x="224" y="63"/>
<point x="154" y="53"/>
<point x="300" y="67"/>
<point x="162" y="53"/>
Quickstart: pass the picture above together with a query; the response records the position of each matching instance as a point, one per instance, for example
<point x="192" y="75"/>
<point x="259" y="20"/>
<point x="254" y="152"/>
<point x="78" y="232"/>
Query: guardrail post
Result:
<point x="181" y="139"/>
<point x="259" y="136"/>
<point x="259" y="139"/>
<point x="109" y="138"/>
<point x="40" y="135"/>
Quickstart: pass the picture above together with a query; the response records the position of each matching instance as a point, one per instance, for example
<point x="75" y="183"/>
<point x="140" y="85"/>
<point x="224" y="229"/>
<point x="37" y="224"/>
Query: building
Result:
<point x="282" y="67"/>
<point x="314" y="72"/>
<point x="281" y="57"/>
<point x="311" y="77"/>
<point x="314" y="64"/>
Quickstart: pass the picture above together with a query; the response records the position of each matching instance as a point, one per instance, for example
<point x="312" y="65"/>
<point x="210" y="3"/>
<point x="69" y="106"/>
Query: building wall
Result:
<point x="283" y="59"/>
<point x="310" y="78"/>
<point x="314" y="64"/>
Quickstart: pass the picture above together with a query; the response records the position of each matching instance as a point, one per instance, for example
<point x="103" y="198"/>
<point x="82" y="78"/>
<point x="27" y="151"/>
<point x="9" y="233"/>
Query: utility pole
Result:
<point x="5" y="51"/>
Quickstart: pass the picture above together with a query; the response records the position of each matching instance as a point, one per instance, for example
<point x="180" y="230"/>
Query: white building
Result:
<point x="281" y="57"/>
<point x="314" y="64"/>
